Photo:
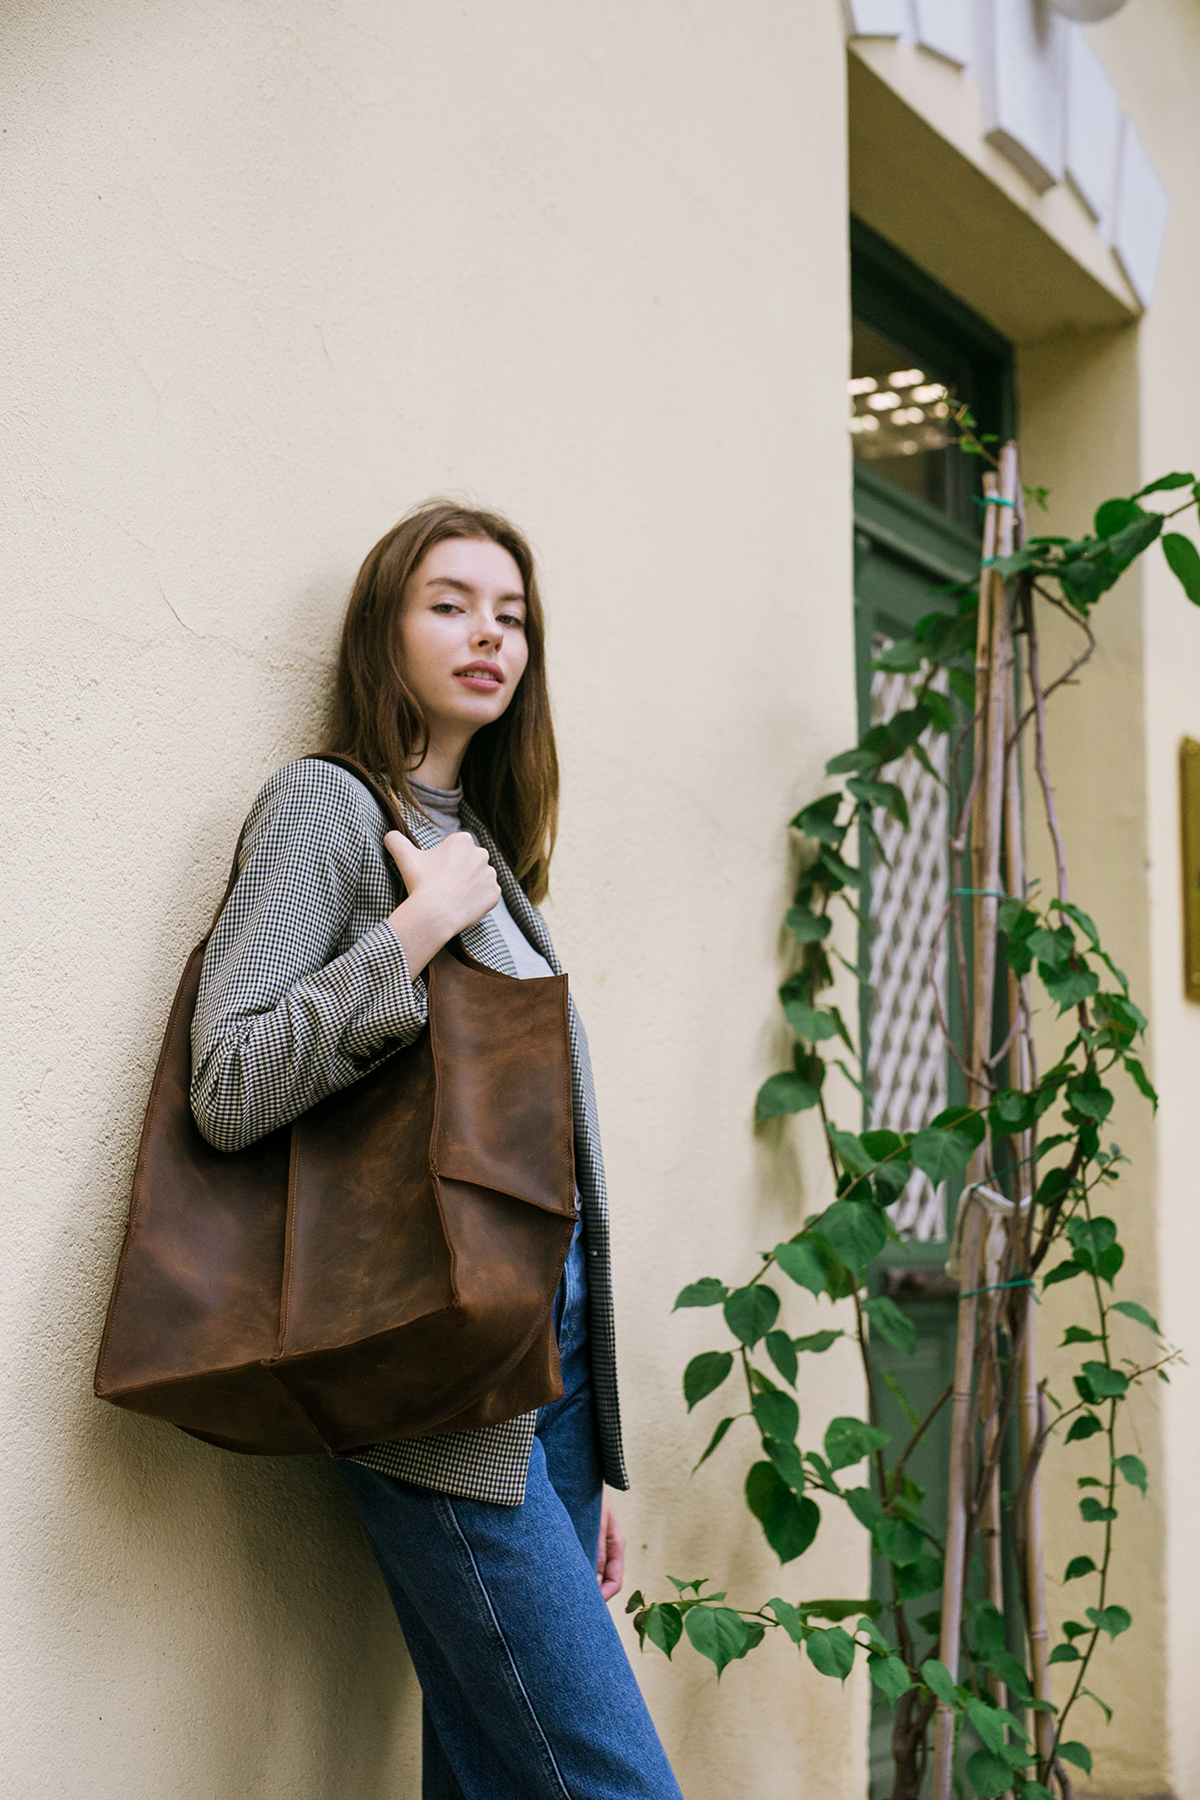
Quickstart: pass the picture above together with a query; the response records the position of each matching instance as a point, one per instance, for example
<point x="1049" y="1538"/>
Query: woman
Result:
<point x="497" y="1546"/>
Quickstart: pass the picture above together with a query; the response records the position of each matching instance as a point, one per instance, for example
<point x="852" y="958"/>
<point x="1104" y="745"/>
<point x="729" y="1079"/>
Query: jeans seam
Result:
<point x="541" y="1739"/>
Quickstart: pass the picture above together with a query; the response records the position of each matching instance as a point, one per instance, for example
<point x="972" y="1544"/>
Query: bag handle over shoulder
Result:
<point x="382" y="797"/>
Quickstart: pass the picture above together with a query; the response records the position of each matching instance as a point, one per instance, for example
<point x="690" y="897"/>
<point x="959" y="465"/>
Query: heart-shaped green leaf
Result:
<point x="789" y="1522"/>
<point x="704" y="1374"/>
<point x="847" y="1441"/>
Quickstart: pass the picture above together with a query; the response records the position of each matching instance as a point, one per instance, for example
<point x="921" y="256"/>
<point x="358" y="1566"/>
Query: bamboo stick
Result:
<point x="993" y="661"/>
<point x="986" y="909"/>
<point x="990" y="799"/>
<point x="993" y="1552"/>
<point x="1037" y="1623"/>
<point x="1032" y="1405"/>
<point x="961" y="1433"/>
<point x="981" y="997"/>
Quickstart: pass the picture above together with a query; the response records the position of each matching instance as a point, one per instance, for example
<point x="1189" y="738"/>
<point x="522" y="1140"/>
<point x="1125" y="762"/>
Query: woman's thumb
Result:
<point x="404" y="854"/>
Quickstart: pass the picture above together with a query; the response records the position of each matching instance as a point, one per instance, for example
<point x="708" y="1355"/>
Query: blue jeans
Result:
<point x="528" y="1692"/>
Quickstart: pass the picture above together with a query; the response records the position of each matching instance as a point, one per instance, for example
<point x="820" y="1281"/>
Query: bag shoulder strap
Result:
<point x="383" y="797"/>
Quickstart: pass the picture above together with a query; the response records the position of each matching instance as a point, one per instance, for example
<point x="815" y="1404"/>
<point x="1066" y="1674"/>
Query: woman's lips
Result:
<point x="481" y="678"/>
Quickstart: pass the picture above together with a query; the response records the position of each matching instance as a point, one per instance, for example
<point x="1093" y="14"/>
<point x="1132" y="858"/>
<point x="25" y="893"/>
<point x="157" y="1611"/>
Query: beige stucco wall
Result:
<point x="1159" y="56"/>
<point x="1103" y="414"/>
<point x="1079" y="398"/>
<point x="274" y="272"/>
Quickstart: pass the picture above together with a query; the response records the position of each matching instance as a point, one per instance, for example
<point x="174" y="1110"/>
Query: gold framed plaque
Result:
<point x="1189" y="808"/>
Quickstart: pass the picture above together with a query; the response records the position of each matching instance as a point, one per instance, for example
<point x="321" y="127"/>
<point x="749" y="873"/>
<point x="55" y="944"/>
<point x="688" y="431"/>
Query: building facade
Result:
<point x="275" y="273"/>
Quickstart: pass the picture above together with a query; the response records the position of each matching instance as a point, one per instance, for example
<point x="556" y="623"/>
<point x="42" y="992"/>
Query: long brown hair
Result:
<point x="510" y="771"/>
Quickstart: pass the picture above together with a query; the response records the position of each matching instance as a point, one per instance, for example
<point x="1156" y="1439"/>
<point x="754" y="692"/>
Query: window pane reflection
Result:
<point x="900" y="417"/>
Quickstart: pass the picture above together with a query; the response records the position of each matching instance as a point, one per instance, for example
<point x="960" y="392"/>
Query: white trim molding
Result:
<point x="1093" y="132"/>
<point x="1049" y="106"/>
<point x="1022" y="73"/>
<point x="877" y="18"/>
<point x="944" y="26"/>
<point x="1140" y="223"/>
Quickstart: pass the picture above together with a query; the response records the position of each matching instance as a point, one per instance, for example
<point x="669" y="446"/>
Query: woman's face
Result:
<point x="462" y="634"/>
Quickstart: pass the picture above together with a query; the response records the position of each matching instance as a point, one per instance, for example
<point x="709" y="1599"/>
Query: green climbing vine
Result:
<point x="1030" y="1154"/>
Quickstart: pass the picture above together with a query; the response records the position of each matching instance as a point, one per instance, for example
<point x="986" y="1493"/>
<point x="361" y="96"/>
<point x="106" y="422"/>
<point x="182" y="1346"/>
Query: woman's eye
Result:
<point x="511" y="619"/>
<point x="445" y="606"/>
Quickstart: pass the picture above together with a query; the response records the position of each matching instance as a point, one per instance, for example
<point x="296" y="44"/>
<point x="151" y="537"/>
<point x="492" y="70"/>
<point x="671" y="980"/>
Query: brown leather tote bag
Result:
<point x="382" y="1268"/>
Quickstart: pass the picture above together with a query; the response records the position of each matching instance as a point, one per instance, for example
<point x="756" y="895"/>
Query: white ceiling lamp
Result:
<point x="1087" y="12"/>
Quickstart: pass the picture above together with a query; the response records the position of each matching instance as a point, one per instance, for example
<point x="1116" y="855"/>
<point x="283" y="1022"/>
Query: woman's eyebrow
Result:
<point x="466" y="587"/>
<point x="447" y="581"/>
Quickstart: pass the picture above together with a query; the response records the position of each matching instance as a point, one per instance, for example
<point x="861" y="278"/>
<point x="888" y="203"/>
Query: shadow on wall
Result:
<point x="248" y="1632"/>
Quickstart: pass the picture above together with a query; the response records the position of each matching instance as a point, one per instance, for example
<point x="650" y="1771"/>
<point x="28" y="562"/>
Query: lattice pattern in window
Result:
<point x="906" y="1055"/>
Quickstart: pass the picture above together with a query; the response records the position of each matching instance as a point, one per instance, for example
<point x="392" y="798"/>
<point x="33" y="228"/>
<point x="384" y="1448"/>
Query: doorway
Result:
<point x="917" y="352"/>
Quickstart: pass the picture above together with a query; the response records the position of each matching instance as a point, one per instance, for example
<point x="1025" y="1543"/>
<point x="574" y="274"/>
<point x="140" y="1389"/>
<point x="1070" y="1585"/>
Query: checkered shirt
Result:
<point x="305" y="988"/>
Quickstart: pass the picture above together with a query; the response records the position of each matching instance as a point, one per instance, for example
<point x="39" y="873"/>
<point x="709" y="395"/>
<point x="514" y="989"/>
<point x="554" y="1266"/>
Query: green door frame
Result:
<point x="904" y="548"/>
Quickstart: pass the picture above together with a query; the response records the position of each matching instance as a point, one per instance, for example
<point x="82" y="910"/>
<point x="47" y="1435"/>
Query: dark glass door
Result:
<point x="917" y="354"/>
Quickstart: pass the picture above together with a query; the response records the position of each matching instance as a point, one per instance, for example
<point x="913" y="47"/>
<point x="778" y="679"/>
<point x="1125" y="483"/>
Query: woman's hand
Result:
<point x="448" y="888"/>
<point x="610" y="1563"/>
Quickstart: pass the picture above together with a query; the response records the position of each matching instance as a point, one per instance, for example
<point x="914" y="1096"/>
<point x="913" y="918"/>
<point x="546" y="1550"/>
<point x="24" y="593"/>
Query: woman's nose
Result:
<point x="489" y="632"/>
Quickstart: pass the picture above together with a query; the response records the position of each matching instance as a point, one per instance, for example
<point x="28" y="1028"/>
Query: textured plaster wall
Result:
<point x="1159" y="56"/>
<point x="1079" y="412"/>
<point x="275" y="271"/>
<point x="1104" y="414"/>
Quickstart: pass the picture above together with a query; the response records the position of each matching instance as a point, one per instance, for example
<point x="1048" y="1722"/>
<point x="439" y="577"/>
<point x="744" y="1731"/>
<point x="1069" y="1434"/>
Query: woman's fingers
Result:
<point x="610" y="1563"/>
<point x="459" y="872"/>
<point x="454" y="880"/>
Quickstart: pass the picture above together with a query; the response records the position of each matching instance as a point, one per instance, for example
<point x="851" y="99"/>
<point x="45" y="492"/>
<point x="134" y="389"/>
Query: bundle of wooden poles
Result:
<point x="994" y="1230"/>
